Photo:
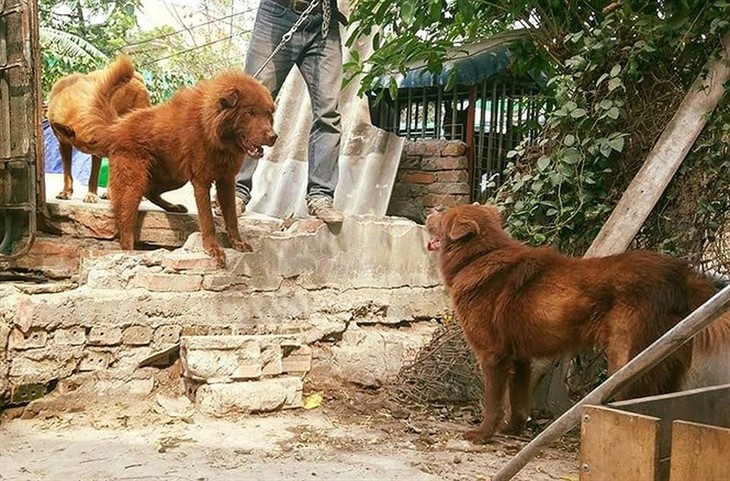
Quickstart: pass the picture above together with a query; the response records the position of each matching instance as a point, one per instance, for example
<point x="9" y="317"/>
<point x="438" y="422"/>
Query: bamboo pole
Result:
<point x="641" y="364"/>
<point x="664" y="159"/>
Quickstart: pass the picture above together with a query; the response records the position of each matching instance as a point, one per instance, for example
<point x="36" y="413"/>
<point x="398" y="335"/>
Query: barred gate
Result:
<point x="491" y="118"/>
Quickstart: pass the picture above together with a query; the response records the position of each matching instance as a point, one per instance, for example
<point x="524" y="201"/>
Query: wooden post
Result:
<point x="641" y="364"/>
<point x="664" y="159"/>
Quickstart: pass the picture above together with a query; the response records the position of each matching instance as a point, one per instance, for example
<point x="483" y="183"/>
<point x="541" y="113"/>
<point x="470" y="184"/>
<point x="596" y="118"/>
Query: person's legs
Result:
<point x="272" y="22"/>
<point x="321" y="67"/>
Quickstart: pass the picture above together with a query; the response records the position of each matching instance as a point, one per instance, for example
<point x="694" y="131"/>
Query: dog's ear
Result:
<point x="229" y="99"/>
<point x="461" y="228"/>
<point x="64" y="130"/>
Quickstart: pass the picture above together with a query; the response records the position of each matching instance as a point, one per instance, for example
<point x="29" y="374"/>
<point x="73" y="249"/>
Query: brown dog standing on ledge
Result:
<point x="200" y="135"/>
<point x="516" y="303"/>
<point x="69" y="106"/>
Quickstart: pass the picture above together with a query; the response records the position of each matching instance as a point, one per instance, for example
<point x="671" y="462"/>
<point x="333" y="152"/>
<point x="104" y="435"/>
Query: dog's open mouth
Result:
<point x="251" y="149"/>
<point x="434" y="243"/>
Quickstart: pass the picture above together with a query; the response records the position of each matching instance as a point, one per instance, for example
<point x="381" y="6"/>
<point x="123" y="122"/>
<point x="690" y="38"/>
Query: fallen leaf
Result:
<point x="313" y="401"/>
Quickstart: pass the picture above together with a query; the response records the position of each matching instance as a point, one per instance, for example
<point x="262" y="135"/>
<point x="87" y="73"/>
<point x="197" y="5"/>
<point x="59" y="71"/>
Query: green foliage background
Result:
<point x="618" y="70"/>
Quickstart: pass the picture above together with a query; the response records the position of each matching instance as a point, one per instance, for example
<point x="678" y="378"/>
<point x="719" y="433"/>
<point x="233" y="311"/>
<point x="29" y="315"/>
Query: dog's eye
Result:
<point x="250" y="113"/>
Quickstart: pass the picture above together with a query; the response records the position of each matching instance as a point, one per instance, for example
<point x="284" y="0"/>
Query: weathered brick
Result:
<point x="95" y="360"/>
<point x="446" y="200"/>
<point x="34" y="339"/>
<point x="416" y="177"/>
<point x="137" y="335"/>
<point x="157" y="282"/>
<point x="250" y="396"/>
<point x="410" y="162"/>
<point x="167" y="334"/>
<point x="105" y="336"/>
<point x="70" y="336"/>
<point x="189" y="261"/>
<point x="456" y="188"/>
<point x="452" y="176"/>
<point x="453" y="148"/>
<point x="445" y="163"/>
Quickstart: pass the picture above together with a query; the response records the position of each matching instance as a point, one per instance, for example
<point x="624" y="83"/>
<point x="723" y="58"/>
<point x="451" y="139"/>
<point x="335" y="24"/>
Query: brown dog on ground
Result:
<point x="69" y="106"/>
<point x="200" y="135"/>
<point x="517" y="303"/>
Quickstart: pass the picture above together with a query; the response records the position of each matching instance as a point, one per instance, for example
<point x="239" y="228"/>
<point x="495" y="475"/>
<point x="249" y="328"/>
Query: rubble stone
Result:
<point x="250" y="396"/>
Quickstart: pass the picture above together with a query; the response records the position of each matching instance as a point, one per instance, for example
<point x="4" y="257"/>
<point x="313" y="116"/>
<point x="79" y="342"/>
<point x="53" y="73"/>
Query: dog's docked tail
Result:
<point x="101" y="113"/>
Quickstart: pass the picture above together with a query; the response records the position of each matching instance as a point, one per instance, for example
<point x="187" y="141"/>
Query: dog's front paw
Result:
<point x="177" y="208"/>
<point x="91" y="198"/>
<point x="241" y="245"/>
<point x="216" y="252"/>
<point x="477" y="436"/>
<point x="64" y="194"/>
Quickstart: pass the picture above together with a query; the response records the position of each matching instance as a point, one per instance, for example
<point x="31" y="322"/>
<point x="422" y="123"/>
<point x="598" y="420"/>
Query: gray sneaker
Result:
<point x="322" y="208"/>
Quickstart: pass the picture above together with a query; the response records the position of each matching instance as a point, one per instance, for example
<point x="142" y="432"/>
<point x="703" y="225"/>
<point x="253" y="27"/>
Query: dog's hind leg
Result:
<point x="519" y="395"/>
<point x="68" y="180"/>
<point x="127" y="184"/>
<point x="155" y="198"/>
<point x="91" y="195"/>
<point x="496" y="370"/>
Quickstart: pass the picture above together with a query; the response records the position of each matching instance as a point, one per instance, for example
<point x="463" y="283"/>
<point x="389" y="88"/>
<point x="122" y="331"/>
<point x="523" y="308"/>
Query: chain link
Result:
<point x="288" y="35"/>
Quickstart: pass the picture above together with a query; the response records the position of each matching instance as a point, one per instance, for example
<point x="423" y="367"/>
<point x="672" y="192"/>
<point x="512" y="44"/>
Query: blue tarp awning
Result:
<point x="473" y="63"/>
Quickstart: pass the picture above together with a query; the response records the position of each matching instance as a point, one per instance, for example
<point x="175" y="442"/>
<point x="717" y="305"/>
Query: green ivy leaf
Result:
<point x="615" y="70"/>
<point x="613" y="84"/>
<point x="572" y="156"/>
<point x="617" y="144"/>
<point x="578" y="113"/>
<point x="569" y="140"/>
<point x="613" y="113"/>
<point x="543" y="162"/>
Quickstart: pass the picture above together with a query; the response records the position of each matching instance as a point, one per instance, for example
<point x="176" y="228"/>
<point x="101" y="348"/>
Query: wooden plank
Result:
<point x="664" y="159"/>
<point x="699" y="452"/>
<point x="635" y="368"/>
<point x="708" y="405"/>
<point x="617" y="446"/>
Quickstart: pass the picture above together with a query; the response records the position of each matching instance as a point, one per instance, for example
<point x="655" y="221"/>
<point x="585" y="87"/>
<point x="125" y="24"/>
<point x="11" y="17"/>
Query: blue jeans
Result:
<point x="320" y="62"/>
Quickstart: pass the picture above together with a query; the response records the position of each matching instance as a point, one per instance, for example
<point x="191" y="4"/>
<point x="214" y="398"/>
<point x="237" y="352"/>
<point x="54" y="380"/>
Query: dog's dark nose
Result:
<point x="271" y="138"/>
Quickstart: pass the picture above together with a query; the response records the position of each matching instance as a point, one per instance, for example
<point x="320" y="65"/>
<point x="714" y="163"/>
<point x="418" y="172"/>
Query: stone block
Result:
<point x="221" y="359"/>
<point x="296" y="359"/>
<point x="34" y="339"/>
<point x="250" y="396"/>
<point x="166" y="334"/>
<point x="95" y="360"/>
<point x="70" y="336"/>
<point x="105" y="336"/>
<point x="181" y="260"/>
<point x="137" y="335"/>
<point x="157" y="282"/>
<point x="446" y="200"/>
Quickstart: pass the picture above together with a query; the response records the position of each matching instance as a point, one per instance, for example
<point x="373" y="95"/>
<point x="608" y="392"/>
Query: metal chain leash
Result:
<point x="288" y="35"/>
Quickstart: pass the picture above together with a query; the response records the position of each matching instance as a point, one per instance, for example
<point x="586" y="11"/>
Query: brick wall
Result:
<point x="431" y="173"/>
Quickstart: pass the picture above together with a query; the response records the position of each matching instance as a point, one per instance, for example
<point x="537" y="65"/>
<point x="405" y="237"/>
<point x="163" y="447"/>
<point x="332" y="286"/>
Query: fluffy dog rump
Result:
<point x="70" y="109"/>
<point x="517" y="303"/>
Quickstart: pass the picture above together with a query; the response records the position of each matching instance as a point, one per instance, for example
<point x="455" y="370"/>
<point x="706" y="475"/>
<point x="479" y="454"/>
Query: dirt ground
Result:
<point x="351" y="435"/>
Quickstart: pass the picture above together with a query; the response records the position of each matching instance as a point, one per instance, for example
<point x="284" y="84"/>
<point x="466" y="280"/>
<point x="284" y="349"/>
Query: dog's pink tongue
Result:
<point x="434" y="244"/>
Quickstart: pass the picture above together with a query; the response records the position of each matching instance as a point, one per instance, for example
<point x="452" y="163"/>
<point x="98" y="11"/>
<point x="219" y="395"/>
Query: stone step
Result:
<point x="225" y="359"/>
